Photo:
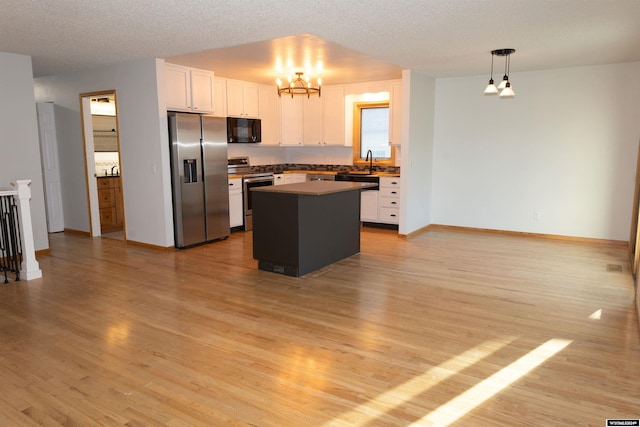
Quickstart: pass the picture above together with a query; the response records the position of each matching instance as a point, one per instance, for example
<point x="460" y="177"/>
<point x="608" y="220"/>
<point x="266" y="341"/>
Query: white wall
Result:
<point x="563" y="149"/>
<point x="418" y="93"/>
<point x="19" y="144"/>
<point x="144" y="145"/>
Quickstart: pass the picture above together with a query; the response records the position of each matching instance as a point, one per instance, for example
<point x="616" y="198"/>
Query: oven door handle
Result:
<point x="260" y="179"/>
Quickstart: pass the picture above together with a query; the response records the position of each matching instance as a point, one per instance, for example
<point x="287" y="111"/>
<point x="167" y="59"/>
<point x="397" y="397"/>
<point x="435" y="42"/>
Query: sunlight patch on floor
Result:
<point x="461" y="405"/>
<point x="596" y="315"/>
<point x="389" y="400"/>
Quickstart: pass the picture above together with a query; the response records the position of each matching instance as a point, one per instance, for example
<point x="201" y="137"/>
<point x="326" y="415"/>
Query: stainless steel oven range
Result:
<point x="241" y="166"/>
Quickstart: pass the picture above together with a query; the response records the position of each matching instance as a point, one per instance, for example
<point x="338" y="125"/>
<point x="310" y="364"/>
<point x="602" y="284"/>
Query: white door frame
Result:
<point x="89" y="158"/>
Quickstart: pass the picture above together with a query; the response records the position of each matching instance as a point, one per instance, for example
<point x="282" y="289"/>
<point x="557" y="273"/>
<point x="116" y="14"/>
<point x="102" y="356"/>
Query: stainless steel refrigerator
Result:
<point x="199" y="178"/>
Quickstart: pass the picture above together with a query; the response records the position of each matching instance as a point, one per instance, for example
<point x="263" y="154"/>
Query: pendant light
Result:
<point x="491" y="88"/>
<point x="507" y="92"/>
<point x="505" y="89"/>
<point x="299" y="86"/>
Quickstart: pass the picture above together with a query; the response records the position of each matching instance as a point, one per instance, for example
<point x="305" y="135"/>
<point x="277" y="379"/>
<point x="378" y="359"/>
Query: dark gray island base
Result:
<point x="299" y="228"/>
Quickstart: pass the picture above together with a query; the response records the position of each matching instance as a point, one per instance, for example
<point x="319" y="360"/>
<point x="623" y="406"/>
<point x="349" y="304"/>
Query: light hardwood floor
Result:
<point x="448" y="327"/>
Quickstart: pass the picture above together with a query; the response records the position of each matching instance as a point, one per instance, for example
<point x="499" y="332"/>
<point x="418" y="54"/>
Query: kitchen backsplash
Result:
<point x="106" y="162"/>
<point x="330" y="168"/>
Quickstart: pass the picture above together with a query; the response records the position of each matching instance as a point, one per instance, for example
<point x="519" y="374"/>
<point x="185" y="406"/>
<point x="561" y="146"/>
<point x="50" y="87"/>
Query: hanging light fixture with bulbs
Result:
<point x="505" y="89"/>
<point x="299" y="86"/>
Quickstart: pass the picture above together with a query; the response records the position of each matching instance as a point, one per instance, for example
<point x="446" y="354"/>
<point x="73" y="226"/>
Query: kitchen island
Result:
<point x="301" y="227"/>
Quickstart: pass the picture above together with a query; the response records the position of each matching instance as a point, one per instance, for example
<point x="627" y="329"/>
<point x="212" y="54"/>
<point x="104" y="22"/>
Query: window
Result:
<point x="371" y="132"/>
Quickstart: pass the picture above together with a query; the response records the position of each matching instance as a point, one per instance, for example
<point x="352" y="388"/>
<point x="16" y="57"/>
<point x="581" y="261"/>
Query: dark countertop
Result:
<point x="315" y="188"/>
<point x="316" y="172"/>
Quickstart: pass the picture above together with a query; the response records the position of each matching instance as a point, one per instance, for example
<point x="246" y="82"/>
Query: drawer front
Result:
<point x="106" y="198"/>
<point x="391" y="182"/>
<point x="105" y="183"/>
<point x="107" y="216"/>
<point x="235" y="185"/>
<point x="389" y="202"/>
<point x="389" y="192"/>
<point x="388" y="215"/>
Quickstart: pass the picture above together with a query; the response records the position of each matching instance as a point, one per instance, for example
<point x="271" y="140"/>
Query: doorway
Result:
<point x="103" y="164"/>
<point x="634" y="237"/>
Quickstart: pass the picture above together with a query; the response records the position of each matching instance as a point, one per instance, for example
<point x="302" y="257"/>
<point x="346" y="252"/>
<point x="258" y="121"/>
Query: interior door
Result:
<point x="50" y="166"/>
<point x="634" y="237"/>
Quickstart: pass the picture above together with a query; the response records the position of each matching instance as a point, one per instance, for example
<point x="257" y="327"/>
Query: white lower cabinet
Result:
<point x="290" y="178"/>
<point x="389" y="200"/>
<point x="382" y="205"/>
<point x="369" y="206"/>
<point x="278" y="179"/>
<point x="236" y="214"/>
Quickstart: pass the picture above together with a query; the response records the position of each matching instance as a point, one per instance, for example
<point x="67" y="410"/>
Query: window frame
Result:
<point x="357" y="118"/>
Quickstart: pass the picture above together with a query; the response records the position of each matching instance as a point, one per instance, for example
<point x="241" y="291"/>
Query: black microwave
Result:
<point x="243" y="130"/>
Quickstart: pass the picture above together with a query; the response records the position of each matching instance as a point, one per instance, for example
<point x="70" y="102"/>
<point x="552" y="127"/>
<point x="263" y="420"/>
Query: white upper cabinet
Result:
<point x="291" y="115"/>
<point x="189" y="89"/>
<point x="178" y="84"/>
<point x="202" y="91"/>
<point x="242" y="99"/>
<point x="333" y="116"/>
<point x="395" y="114"/>
<point x="314" y="121"/>
<point x="269" y="106"/>
<point x="220" y="99"/>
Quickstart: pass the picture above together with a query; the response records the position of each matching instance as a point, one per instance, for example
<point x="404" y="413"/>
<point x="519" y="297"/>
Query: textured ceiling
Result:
<point x="355" y="39"/>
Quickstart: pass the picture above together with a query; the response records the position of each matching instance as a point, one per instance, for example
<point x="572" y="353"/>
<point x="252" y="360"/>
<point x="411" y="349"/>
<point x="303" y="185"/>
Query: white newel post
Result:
<point x="30" y="269"/>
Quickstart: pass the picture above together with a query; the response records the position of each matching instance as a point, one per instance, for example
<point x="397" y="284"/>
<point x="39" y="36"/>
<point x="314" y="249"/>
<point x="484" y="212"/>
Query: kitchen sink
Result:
<point x="360" y="176"/>
<point x="354" y="173"/>
<point x="365" y="173"/>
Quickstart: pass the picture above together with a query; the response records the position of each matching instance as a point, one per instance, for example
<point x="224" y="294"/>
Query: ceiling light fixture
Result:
<point x="505" y="89"/>
<point x="299" y="86"/>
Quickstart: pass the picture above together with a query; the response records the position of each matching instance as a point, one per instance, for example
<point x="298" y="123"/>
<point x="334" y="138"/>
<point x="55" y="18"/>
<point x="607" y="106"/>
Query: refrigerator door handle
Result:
<point x="190" y="170"/>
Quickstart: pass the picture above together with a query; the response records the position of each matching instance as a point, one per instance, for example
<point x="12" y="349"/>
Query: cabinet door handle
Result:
<point x="394" y="203"/>
<point x="394" y="192"/>
<point x="393" y="215"/>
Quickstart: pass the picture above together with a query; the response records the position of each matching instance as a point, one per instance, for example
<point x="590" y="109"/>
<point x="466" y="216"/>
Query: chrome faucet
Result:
<point x="369" y="158"/>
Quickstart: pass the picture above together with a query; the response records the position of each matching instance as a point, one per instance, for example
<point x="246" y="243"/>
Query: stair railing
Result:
<point x="17" y="250"/>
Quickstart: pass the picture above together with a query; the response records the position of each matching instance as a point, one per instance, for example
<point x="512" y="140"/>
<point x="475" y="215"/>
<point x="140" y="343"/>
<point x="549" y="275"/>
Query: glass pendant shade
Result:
<point x="503" y="83"/>
<point x="507" y="92"/>
<point x="491" y="88"/>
